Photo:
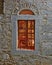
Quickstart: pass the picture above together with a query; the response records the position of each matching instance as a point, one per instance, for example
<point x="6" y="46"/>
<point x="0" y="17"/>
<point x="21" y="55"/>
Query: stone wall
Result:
<point x="12" y="7"/>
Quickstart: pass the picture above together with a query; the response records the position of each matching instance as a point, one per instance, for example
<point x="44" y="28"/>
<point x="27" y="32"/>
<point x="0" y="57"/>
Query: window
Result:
<point x="26" y="32"/>
<point x="25" y="28"/>
<point x="1" y="6"/>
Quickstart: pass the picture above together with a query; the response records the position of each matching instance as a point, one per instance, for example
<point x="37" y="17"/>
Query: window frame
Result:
<point x="14" y="19"/>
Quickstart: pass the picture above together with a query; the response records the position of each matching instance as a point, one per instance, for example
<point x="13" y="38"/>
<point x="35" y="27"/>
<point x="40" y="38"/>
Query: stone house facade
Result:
<point x="42" y="55"/>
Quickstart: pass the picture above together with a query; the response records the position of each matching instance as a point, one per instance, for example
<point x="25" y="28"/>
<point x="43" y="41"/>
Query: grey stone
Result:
<point x="45" y="32"/>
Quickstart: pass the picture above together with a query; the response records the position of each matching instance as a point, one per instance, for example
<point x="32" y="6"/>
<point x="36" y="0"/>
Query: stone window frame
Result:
<point x="14" y="19"/>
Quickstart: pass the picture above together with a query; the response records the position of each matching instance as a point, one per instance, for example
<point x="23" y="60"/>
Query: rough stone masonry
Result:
<point x="42" y="8"/>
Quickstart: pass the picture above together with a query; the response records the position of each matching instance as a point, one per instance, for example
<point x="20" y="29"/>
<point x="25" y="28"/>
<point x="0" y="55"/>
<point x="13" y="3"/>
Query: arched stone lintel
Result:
<point x="16" y="11"/>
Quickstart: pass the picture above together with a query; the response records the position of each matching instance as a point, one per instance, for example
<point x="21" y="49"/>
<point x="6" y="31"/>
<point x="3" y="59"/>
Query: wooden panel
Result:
<point x="26" y="11"/>
<point x="1" y="6"/>
<point x="26" y="34"/>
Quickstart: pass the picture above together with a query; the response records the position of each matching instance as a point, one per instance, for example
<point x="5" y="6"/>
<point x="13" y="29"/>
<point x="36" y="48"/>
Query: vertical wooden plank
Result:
<point x="1" y="6"/>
